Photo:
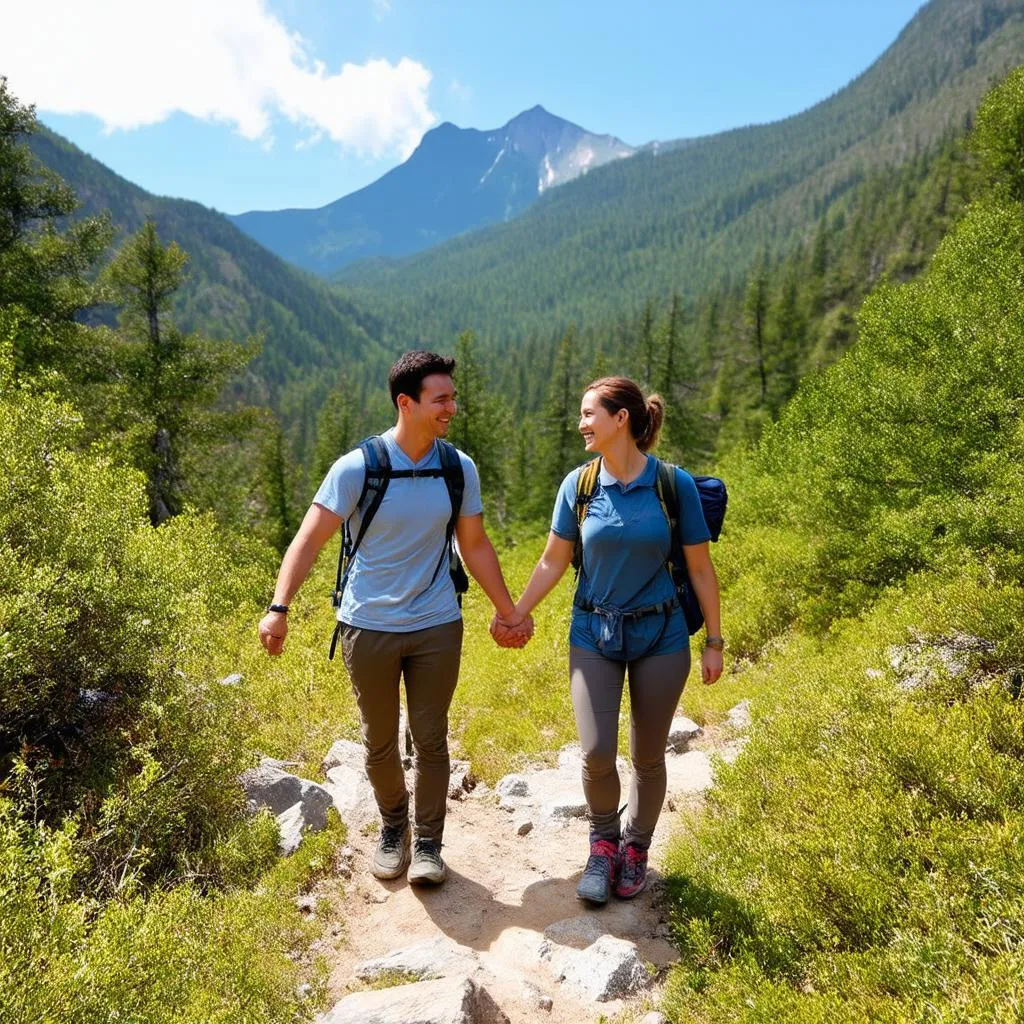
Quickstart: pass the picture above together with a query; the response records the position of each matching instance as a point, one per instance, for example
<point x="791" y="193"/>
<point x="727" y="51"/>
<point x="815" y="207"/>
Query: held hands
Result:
<point x="273" y="629"/>
<point x="512" y="630"/>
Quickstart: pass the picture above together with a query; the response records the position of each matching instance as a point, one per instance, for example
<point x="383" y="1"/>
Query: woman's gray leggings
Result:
<point x="655" y="686"/>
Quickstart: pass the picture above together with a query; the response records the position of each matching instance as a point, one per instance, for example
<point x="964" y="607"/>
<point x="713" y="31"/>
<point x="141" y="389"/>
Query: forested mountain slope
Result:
<point x="700" y="215"/>
<point x="235" y="287"/>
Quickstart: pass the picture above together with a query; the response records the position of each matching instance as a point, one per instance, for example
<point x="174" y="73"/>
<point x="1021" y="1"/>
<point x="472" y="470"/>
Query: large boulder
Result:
<point x="446" y="1001"/>
<point x="610" y="968"/>
<point x="352" y="794"/>
<point x="299" y="805"/>
<point x="347" y="783"/>
<point x="578" y="932"/>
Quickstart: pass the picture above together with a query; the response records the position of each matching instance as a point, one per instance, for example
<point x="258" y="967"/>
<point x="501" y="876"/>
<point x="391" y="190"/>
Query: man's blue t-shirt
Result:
<point x="389" y="586"/>
<point x="625" y="550"/>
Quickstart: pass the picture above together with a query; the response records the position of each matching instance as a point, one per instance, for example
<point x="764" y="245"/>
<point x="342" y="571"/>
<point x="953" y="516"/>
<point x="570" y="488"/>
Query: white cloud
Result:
<point x="381" y="9"/>
<point x="132" y="63"/>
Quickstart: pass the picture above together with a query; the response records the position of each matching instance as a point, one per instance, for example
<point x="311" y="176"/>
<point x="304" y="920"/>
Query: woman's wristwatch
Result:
<point x="716" y="643"/>
<point x="282" y="608"/>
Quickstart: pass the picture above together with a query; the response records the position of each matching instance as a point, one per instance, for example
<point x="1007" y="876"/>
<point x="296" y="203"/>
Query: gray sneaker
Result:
<point x="427" y="867"/>
<point x="601" y="872"/>
<point x="391" y="857"/>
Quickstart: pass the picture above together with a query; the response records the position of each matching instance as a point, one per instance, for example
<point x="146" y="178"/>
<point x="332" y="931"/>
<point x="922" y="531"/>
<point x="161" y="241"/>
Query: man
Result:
<point x="399" y="615"/>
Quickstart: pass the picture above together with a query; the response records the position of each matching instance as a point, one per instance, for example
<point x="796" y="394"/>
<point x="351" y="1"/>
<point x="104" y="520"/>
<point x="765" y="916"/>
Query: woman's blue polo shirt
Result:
<point x="625" y="550"/>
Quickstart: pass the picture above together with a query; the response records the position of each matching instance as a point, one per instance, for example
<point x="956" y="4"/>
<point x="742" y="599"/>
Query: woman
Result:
<point x="626" y="619"/>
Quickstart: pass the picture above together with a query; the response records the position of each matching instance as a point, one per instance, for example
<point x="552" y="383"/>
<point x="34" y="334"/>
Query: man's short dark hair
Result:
<point x="406" y="376"/>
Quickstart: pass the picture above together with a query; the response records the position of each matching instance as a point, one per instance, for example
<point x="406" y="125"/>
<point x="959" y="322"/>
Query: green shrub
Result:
<point x="867" y="851"/>
<point x="108" y="713"/>
<point x="178" y="955"/>
<point x="905" y="454"/>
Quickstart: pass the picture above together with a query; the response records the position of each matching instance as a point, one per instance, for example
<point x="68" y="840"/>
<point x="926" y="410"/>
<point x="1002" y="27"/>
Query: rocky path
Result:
<point x="505" y="933"/>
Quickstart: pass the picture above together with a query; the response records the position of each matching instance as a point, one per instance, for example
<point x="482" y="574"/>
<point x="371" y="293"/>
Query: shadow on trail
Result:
<point x="473" y="916"/>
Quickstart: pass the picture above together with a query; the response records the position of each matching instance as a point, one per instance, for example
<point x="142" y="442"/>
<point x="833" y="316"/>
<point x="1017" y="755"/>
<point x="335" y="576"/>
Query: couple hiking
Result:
<point x="401" y="499"/>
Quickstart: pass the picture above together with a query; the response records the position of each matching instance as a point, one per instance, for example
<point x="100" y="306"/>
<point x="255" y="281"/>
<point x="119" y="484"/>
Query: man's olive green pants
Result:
<point x="428" y="660"/>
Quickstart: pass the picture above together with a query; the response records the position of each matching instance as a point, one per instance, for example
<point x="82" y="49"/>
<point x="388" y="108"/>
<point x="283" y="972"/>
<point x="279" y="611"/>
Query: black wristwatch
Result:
<point x="282" y="608"/>
<point x="715" y="643"/>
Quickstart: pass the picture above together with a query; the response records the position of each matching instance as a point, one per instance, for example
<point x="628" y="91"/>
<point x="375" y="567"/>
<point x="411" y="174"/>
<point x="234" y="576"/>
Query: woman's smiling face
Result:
<point x="598" y="426"/>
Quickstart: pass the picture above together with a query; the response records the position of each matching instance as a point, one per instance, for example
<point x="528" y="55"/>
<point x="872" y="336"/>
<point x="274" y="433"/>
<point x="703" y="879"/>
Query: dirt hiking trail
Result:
<point x="508" y="914"/>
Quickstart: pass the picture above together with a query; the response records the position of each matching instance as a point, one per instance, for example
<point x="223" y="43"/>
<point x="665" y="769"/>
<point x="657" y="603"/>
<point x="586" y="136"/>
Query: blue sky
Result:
<point x="245" y="104"/>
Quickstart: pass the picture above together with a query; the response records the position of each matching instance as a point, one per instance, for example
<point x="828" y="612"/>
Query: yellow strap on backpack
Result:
<point x="586" y="488"/>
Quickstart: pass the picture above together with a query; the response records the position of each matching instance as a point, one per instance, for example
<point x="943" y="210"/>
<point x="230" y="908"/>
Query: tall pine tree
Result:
<point x="171" y="381"/>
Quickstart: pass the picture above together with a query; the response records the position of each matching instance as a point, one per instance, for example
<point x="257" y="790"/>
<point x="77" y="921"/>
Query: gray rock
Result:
<point x="681" y="732"/>
<point x="609" y="969"/>
<point x="352" y="794"/>
<point x="461" y="781"/>
<point x="739" y="716"/>
<point x="232" y="680"/>
<point x="922" y="662"/>
<point x="545" y="1003"/>
<point x="513" y="785"/>
<point x="565" y="806"/>
<point x="578" y="932"/>
<point x="298" y="804"/>
<point x="447" y="1001"/>
<point x="274" y="762"/>
<point x="523" y="826"/>
<point x="432" y="958"/>
<point x="290" y="826"/>
<point x="345" y="752"/>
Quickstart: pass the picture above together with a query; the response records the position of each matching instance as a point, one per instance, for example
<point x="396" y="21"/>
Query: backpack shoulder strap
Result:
<point x="454" y="477"/>
<point x="376" y="476"/>
<point x="586" y="487"/>
<point x="455" y="481"/>
<point x="667" y="487"/>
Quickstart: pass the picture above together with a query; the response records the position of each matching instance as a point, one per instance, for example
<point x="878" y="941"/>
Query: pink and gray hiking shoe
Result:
<point x="600" y="873"/>
<point x="632" y="872"/>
